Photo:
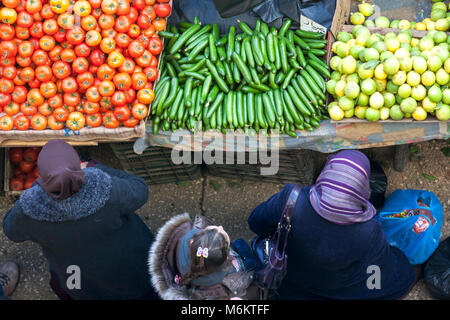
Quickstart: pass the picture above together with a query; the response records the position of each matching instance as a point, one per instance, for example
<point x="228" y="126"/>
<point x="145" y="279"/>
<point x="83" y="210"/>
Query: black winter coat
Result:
<point x="95" y="229"/>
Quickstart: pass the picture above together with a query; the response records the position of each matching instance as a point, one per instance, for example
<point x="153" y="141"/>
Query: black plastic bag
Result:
<point x="378" y="185"/>
<point x="231" y="8"/>
<point x="437" y="271"/>
<point x="226" y="13"/>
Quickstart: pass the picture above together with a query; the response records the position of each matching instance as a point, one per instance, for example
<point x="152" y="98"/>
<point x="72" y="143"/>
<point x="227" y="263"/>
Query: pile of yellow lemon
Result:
<point x="439" y="18"/>
<point x="393" y="76"/>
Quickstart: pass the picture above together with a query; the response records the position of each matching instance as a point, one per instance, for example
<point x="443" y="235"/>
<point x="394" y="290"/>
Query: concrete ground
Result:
<point x="228" y="203"/>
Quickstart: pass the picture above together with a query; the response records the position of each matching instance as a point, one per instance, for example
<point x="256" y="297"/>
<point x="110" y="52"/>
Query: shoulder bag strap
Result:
<point x="284" y="226"/>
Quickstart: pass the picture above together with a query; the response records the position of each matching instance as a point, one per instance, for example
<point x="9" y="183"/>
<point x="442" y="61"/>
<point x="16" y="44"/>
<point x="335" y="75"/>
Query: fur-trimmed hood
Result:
<point x="162" y="254"/>
<point x="162" y="265"/>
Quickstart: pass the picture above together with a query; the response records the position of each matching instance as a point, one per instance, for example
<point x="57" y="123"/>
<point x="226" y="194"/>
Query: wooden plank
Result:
<point x="20" y="143"/>
<point x="383" y="31"/>
<point x="6" y="171"/>
<point x="341" y="16"/>
<point x="7" y="176"/>
<point x="404" y="120"/>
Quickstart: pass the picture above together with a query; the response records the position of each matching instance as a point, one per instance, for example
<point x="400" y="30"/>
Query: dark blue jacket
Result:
<point x="95" y="229"/>
<point x="330" y="261"/>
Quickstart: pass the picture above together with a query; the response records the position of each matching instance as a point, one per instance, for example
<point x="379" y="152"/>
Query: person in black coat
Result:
<point x="336" y="249"/>
<point x="84" y="221"/>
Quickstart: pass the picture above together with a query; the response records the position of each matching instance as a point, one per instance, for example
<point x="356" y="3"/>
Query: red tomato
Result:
<point x="5" y="99"/>
<point x="97" y="57"/>
<point x="6" y="123"/>
<point x="131" y="122"/>
<point x="155" y="45"/>
<point x="94" y="120"/>
<point x="30" y="155"/>
<point x="38" y="122"/>
<point x="16" y="155"/>
<point x="29" y="182"/>
<point x="139" y="110"/>
<point x="26" y="166"/>
<point x="55" y="124"/>
<point x="36" y="172"/>
<point x="122" y="113"/>
<point x="61" y="114"/>
<point x="75" y="121"/>
<point x="21" y="122"/>
<point x="110" y="120"/>
<point x="16" y="184"/>
<point x="138" y="4"/>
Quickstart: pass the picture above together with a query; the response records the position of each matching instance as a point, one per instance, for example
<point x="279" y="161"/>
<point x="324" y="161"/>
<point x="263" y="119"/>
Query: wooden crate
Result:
<point x="341" y="22"/>
<point x="8" y="167"/>
<point x="8" y="173"/>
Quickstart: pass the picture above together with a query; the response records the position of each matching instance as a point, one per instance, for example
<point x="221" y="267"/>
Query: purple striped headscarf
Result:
<point x="342" y="190"/>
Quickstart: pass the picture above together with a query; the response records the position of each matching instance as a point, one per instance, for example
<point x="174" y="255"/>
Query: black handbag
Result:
<point x="271" y="251"/>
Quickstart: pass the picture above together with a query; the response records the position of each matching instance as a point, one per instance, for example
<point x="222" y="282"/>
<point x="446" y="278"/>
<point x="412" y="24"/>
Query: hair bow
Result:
<point x="202" y="252"/>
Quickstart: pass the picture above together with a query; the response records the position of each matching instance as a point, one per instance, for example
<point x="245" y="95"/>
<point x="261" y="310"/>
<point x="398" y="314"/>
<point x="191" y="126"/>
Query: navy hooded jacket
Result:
<point x="331" y="261"/>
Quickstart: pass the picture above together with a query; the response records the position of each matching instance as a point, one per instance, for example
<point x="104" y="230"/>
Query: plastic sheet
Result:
<point x="329" y="137"/>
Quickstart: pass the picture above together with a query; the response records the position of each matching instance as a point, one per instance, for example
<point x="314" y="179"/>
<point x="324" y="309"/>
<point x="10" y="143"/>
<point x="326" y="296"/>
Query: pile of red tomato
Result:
<point x="24" y="166"/>
<point x="76" y="63"/>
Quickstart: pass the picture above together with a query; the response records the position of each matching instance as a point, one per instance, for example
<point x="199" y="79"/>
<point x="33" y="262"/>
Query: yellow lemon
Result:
<point x="360" y="112"/>
<point x="342" y="49"/>
<point x="362" y="39"/>
<point x="336" y="113"/>
<point x="349" y="65"/>
<point x="404" y="24"/>
<point x="392" y="44"/>
<point x="428" y="105"/>
<point x="419" y="64"/>
<point x="334" y="46"/>
<point x="431" y="25"/>
<point x="366" y="9"/>
<point x="384" y="113"/>
<point x="381" y="84"/>
<point x="399" y="78"/>
<point x="379" y="72"/>
<point x="419" y="114"/>
<point x="357" y="18"/>
<point x="428" y="78"/>
<point x="413" y="78"/>
<point x="376" y="100"/>
<point x="339" y="89"/>
<point x="414" y="42"/>
<point x="421" y="26"/>
<point x="332" y="103"/>
<point x="364" y="73"/>
<point x="351" y="42"/>
<point x="349" y="113"/>
<point x="447" y="65"/>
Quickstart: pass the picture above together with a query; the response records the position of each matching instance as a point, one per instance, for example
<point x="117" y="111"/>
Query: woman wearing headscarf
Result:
<point x="336" y="249"/>
<point x="84" y="221"/>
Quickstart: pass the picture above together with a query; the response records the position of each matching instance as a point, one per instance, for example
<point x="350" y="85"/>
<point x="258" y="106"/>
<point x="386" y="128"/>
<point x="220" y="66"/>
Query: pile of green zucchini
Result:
<point x="258" y="79"/>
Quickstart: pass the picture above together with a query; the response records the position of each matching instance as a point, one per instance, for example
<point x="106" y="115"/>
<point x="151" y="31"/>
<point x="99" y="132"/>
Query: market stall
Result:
<point x="330" y="136"/>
